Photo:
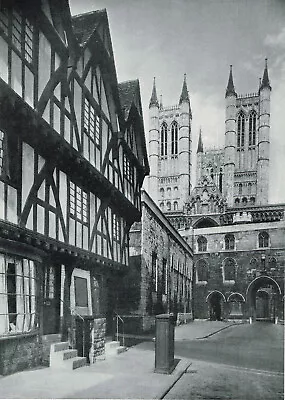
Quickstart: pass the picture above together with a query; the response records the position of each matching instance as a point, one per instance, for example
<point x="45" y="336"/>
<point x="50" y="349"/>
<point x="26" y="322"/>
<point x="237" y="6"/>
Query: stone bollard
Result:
<point x="164" y="344"/>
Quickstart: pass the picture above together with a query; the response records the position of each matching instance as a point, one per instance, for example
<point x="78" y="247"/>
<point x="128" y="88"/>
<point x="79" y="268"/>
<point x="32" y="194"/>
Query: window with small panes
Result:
<point x="116" y="227"/>
<point x="91" y="122"/>
<point x="78" y="203"/>
<point x="128" y="169"/>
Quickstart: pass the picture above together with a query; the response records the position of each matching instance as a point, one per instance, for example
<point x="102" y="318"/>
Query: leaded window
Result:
<point x="78" y="203"/>
<point x="116" y="227"/>
<point x="128" y="170"/>
<point x="21" y="32"/>
<point x="17" y="295"/>
<point x="91" y="123"/>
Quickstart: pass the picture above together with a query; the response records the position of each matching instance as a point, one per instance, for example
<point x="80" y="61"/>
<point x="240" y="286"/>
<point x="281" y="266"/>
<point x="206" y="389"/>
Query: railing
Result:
<point x="119" y="318"/>
<point x="75" y="313"/>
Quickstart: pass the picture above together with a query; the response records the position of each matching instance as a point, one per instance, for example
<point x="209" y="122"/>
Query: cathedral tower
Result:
<point x="263" y="139"/>
<point x="170" y="146"/>
<point x="230" y="141"/>
<point x="247" y="140"/>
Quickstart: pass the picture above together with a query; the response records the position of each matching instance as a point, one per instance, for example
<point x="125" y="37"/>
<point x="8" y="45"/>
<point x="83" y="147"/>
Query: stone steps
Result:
<point x="62" y="357"/>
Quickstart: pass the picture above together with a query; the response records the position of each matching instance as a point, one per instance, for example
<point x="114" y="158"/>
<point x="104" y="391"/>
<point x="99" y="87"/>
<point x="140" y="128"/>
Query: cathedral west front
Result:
<point x="236" y="235"/>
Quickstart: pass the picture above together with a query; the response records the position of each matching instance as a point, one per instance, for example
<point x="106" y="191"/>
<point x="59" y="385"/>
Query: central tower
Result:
<point x="170" y="147"/>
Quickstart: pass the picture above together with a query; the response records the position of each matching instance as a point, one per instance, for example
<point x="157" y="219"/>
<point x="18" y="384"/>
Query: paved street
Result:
<point x="239" y="363"/>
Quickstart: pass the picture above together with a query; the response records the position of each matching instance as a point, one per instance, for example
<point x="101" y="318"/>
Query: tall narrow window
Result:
<point x="240" y="131"/>
<point x="202" y="271"/>
<point x="78" y="203"/>
<point x="229" y="270"/>
<point x="252" y="129"/>
<point x="263" y="239"/>
<point x="116" y="227"/>
<point x="229" y="242"/>
<point x="154" y="272"/>
<point x="163" y="139"/>
<point x="174" y="138"/>
<point x="91" y="123"/>
<point x="202" y="243"/>
<point x="221" y="180"/>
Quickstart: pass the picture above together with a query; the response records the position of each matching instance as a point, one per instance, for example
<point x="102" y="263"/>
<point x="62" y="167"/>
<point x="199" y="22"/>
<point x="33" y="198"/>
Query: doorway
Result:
<point x="216" y="305"/>
<point x="263" y="297"/>
<point x="51" y="300"/>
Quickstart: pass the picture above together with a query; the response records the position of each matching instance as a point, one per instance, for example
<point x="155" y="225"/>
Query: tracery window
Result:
<point x="163" y="139"/>
<point x="252" y="129"/>
<point x="240" y="131"/>
<point x="174" y="138"/>
<point x="202" y="243"/>
<point x="229" y="242"/>
<point x="263" y="239"/>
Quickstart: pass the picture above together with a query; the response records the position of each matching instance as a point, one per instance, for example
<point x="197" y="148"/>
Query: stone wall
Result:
<point x="97" y="339"/>
<point x="251" y="262"/>
<point x="174" y="261"/>
<point x="19" y="352"/>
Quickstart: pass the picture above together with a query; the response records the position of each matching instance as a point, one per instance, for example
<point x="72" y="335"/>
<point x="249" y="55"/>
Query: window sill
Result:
<point x="202" y="283"/>
<point x="11" y="336"/>
<point x="229" y="282"/>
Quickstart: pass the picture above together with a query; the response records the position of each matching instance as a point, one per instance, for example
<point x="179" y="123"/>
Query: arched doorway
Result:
<point x="235" y="305"/>
<point x="216" y="301"/>
<point x="263" y="299"/>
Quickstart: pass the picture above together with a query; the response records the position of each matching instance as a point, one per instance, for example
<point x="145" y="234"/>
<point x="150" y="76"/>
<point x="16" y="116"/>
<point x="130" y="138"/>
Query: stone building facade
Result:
<point x="161" y="273"/>
<point x="237" y="237"/>
<point x="72" y="161"/>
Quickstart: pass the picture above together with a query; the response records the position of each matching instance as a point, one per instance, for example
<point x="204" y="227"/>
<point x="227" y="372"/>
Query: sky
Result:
<point x="167" y="38"/>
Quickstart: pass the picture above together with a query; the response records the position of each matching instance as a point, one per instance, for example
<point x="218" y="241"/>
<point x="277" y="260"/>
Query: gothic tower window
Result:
<point x="240" y="131"/>
<point x="229" y="242"/>
<point x="263" y="239"/>
<point x="163" y="139"/>
<point x="168" y="205"/>
<point x="202" y="243"/>
<point x="221" y="180"/>
<point x="175" y="205"/>
<point x="240" y="188"/>
<point x="252" y="129"/>
<point x="174" y="138"/>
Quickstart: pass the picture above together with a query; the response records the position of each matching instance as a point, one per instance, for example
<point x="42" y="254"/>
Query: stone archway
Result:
<point x="216" y="301"/>
<point x="262" y="297"/>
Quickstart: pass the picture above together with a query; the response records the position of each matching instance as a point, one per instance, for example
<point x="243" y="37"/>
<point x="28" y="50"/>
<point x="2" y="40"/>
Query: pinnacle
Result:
<point x="265" y="83"/>
<point x="153" y="100"/>
<point x="200" y="143"/>
<point x="230" y="88"/>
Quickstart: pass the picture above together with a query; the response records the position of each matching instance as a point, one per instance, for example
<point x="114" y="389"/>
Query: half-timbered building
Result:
<point x="72" y="161"/>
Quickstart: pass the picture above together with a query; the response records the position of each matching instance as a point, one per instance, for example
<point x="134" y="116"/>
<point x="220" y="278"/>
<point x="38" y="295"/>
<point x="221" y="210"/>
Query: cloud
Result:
<point x="277" y="40"/>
